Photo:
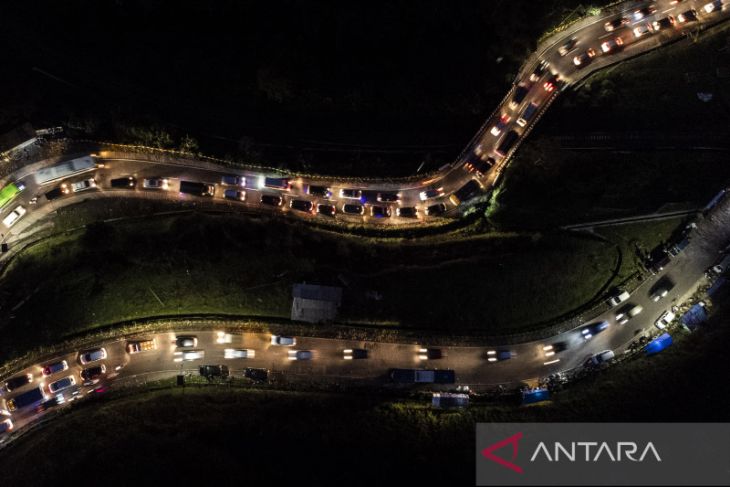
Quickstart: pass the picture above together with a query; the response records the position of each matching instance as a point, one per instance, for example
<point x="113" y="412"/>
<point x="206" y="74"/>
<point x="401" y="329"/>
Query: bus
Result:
<point x="64" y="170"/>
<point x="9" y="192"/>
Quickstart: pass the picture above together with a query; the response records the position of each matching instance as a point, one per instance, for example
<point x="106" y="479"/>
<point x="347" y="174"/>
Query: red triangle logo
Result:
<point x="512" y="440"/>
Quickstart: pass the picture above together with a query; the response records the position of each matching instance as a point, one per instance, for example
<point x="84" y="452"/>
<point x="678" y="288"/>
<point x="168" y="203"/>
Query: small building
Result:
<point x="17" y="139"/>
<point x="315" y="304"/>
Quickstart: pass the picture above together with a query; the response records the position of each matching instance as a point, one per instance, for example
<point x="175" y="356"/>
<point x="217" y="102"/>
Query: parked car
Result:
<point x="256" y="375"/>
<point x="55" y="368"/>
<point x="14" y="216"/>
<point x="271" y="200"/>
<point x="618" y="298"/>
<point x="431" y="193"/>
<point x="231" y="180"/>
<point x="93" y="373"/>
<point x="627" y="313"/>
<point x="353" y="194"/>
<point x="210" y="371"/>
<point x="354" y="353"/>
<point x="664" y="320"/>
<point x="92" y="355"/>
<point x="61" y="384"/>
<point x="283" y="341"/>
<point x="124" y="183"/>
<point x="435" y="210"/>
<point x="322" y="191"/>
<point x="388" y="197"/>
<point x="18" y="381"/>
<point x="380" y="211"/>
<point x="299" y="355"/>
<point x="186" y="341"/>
<point x="156" y="183"/>
<point x="239" y="353"/>
<point x="327" y="210"/>
<point x="301" y="205"/>
<point x="353" y="209"/>
<point x="407" y="212"/>
<point x="600" y="358"/>
<point x="234" y="194"/>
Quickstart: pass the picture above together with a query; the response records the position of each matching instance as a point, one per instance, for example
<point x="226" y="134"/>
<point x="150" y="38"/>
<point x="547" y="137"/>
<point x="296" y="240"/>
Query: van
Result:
<point x="14" y="216"/>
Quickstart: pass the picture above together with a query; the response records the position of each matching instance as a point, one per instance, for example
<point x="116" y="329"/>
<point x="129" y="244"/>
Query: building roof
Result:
<point x="318" y="293"/>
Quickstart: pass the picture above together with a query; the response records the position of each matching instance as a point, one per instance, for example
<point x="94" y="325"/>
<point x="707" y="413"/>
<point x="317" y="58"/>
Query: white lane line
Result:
<point x="606" y="35"/>
<point x="668" y="10"/>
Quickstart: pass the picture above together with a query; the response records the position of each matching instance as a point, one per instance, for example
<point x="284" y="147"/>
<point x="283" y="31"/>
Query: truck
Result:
<point x="464" y="193"/>
<point x="528" y="114"/>
<point x="197" y="189"/>
<point x="26" y="399"/>
<point x="679" y="247"/>
<point x="520" y="94"/>
<point x="508" y="142"/>
<point x="136" y="346"/>
<point x="423" y="376"/>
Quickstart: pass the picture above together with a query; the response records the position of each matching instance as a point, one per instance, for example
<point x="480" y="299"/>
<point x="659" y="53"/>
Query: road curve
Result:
<point x="530" y="360"/>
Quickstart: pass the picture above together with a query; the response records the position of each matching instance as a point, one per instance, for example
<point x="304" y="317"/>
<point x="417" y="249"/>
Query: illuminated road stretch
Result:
<point x="472" y="364"/>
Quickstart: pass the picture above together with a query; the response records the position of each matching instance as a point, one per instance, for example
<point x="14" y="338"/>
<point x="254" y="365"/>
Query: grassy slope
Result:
<point x="226" y="434"/>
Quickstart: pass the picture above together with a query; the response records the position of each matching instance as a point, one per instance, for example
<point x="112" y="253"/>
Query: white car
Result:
<point x="713" y="6"/>
<point x="430" y="194"/>
<point x="156" y="183"/>
<point x="659" y="294"/>
<point x="61" y="384"/>
<point x="664" y="320"/>
<point x="83" y="185"/>
<point x="283" y="341"/>
<point x="189" y="355"/>
<point x="14" y="216"/>
<point x="239" y="353"/>
<point x="623" y="317"/>
<point x="619" y="298"/>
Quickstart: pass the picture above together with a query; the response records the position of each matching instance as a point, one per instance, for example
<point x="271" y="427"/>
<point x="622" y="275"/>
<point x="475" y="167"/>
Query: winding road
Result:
<point x="567" y="57"/>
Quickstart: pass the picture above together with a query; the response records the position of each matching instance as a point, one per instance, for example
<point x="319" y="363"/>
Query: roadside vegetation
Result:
<point x="214" y="433"/>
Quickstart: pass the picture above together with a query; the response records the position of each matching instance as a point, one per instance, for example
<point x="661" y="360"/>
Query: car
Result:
<point x="354" y="353"/>
<point x="430" y="353"/>
<point x="54" y="401"/>
<point x="642" y="29"/>
<point x="664" y="23"/>
<point x="498" y="355"/>
<point x="500" y="125"/>
<point x="18" y="381"/>
<point x="688" y="16"/>
<point x="83" y="185"/>
<point x="593" y="329"/>
<point x="186" y="341"/>
<point x="234" y="194"/>
<point x="407" y="212"/>
<point x="210" y="371"/>
<point x="188" y="355"/>
<point x="353" y="209"/>
<point x="614" y="24"/>
<point x="714" y="6"/>
<point x="137" y="346"/>
<point x="388" y="197"/>
<point x="256" y="375"/>
<point x="567" y="47"/>
<point x="480" y="166"/>
<point x="301" y="205"/>
<point x="618" y="298"/>
<point x="54" y="368"/>
<point x="299" y="355"/>
<point x="6" y="425"/>
<point x="664" y="320"/>
<point x="527" y="116"/>
<point x="14" y="216"/>
<point x="551" y="84"/>
<point x="435" y="210"/>
<point x="271" y="200"/>
<point x="231" y="180"/>
<point x="583" y="59"/>
<point x="612" y="44"/>
<point x="380" y="211"/>
<point x="642" y="13"/>
<point x="156" y="183"/>
<point x="627" y="313"/>
<point x="92" y="355"/>
<point x="322" y="191"/>
<point x="552" y="349"/>
<point x="61" y="384"/>
<point x="431" y="193"/>
<point x="600" y="358"/>
<point x="659" y="294"/>
<point x="520" y="93"/>
<point x="55" y="193"/>
<point x="124" y="183"/>
<point x="239" y="353"/>
<point x="275" y="183"/>
<point x="539" y="71"/>
<point x="659" y="259"/>
<point x="283" y="341"/>
<point x="92" y="373"/>
<point x="327" y="210"/>
<point x="352" y="194"/>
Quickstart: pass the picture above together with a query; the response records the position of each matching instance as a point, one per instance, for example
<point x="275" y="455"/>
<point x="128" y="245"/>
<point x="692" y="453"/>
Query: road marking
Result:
<point x="552" y="362"/>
